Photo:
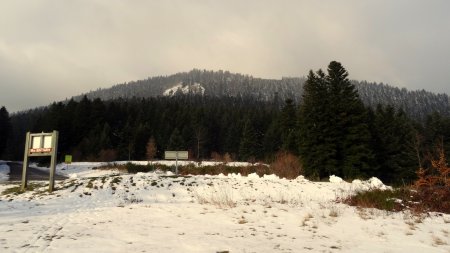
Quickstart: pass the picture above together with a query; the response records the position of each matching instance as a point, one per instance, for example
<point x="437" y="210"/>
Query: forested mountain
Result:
<point x="417" y="104"/>
<point x="321" y="119"/>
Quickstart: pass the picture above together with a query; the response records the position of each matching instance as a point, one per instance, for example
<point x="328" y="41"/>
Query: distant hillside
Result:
<point x="417" y="104"/>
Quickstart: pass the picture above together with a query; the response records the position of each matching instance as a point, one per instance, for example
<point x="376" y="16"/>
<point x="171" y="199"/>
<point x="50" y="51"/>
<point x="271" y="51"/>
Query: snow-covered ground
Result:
<point x="105" y="211"/>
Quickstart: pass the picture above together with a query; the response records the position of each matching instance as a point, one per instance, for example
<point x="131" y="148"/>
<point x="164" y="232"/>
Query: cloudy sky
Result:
<point x="51" y="49"/>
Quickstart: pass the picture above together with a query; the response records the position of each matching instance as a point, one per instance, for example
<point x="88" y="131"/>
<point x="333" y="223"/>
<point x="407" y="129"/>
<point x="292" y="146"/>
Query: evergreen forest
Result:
<point x="330" y="129"/>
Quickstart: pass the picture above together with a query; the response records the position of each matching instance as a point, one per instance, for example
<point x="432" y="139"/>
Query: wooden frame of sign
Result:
<point x="40" y="144"/>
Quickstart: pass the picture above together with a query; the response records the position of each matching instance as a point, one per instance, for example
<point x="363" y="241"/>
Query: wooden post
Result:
<point x="25" y="163"/>
<point x="176" y="164"/>
<point x="53" y="160"/>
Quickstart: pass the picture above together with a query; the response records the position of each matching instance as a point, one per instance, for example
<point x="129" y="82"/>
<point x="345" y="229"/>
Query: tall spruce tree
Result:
<point x="316" y="150"/>
<point x="333" y="132"/>
<point x="351" y="124"/>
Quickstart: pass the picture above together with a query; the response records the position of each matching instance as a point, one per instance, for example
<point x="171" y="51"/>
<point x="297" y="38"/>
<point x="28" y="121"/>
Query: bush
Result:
<point x="433" y="199"/>
<point x="433" y="185"/>
<point x="389" y="200"/>
<point x="286" y="165"/>
<point x="134" y="168"/>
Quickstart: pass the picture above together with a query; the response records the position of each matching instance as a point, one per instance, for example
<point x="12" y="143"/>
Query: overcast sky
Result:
<point x="52" y="49"/>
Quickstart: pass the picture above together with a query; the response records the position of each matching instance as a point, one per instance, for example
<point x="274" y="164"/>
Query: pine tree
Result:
<point x="393" y="145"/>
<point x="140" y="141"/>
<point x="5" y="129"/>
<point x="333" y="132"/>
<point x="272" y="139"/>
<point x="176" y="142"/>
<point x="316" y="148"/>
<point x="248" y="145"/>
<point x="288" y="120"/>
<point x="350" y="123"/>
<point x="437" y="130"/>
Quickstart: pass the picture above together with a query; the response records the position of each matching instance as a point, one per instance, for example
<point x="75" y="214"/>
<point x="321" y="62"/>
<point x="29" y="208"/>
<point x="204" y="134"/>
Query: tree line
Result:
<point x="416" y="103"/>
<point x="331" y="130"/>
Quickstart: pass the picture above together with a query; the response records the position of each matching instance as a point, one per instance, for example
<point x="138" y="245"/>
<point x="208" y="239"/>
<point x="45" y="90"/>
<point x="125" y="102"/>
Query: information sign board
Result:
<point x="176" y="155"/>
<point x="40" y="144"/>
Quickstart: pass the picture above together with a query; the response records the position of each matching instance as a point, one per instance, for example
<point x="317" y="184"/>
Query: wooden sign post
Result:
<point x="40" y="144"/>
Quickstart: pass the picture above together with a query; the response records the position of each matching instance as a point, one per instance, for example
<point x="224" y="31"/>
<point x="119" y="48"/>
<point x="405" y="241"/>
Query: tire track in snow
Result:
<point x="46" y="234"/>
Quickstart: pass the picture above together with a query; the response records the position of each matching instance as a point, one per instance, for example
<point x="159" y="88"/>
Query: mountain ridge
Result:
<point x="416" y="103"/>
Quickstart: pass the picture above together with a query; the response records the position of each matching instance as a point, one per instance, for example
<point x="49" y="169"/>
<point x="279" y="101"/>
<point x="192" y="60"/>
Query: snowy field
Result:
<point x="106" y="211"/>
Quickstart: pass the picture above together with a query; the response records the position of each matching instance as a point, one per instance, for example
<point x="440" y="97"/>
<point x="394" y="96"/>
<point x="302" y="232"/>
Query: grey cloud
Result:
<point x="55" y="49"/>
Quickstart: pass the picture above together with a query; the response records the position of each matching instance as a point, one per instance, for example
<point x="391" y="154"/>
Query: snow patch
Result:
<point x="302" y="178"/>
<point x="253" y="176"/>
<point x="195" y="88"/>
<point x="335" y="179"/>
<point x="271" y="177"/>
<point x="371" y="184"/>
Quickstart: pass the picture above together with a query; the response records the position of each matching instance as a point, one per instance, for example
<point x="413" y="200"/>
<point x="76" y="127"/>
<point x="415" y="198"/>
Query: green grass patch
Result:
<point x="388" y="200"/>
<point x="418" y="201"/>
<point x="17" y="189"/>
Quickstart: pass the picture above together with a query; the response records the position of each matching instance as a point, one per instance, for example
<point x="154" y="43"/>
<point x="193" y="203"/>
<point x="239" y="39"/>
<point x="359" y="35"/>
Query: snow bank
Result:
<point x="359" y="185"/>
<point x="371" y="184"/>
<point x="335" y="179"/>
<point x="4" y="171"/>
<point x="302" y="178"/>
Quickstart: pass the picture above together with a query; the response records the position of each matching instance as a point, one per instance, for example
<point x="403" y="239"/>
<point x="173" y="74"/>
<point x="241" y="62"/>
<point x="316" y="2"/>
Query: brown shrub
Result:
<point x="433" y="199"/>
<point x="433" y="184"/>
<point x="286" y="165"/>
<point x="227" y="158"/>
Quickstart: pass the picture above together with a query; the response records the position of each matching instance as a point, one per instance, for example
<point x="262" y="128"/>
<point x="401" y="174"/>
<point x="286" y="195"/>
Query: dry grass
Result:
<point x="333" y="213"/>
<point x="306" y="219"/>
<point x="437" y="241"/>
<point x="242" y="220"/>
<point x="217" y="196"/>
